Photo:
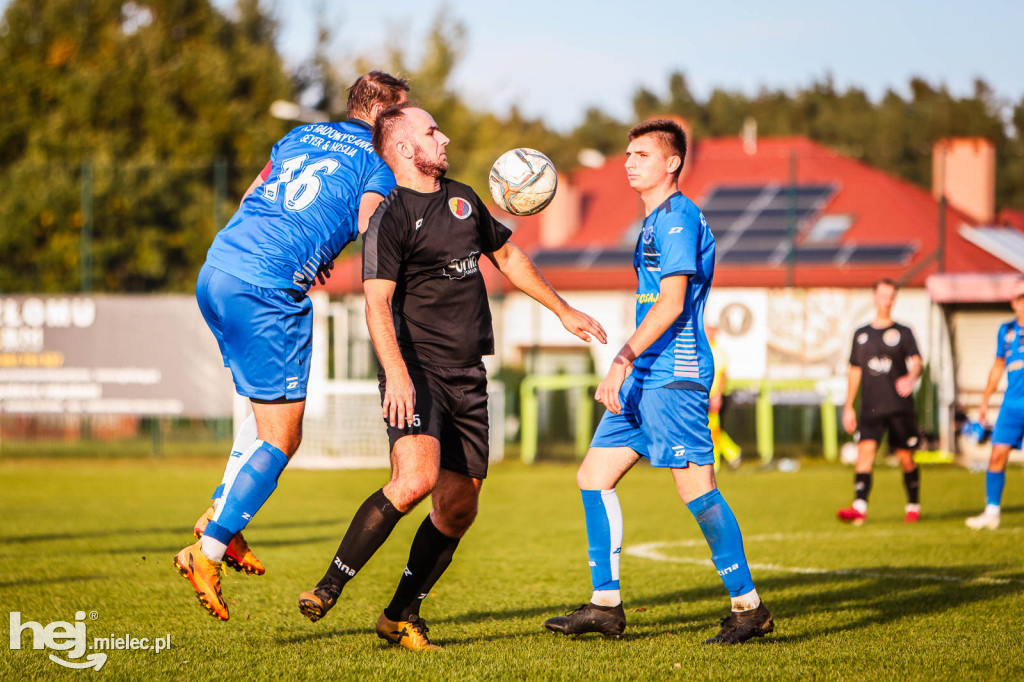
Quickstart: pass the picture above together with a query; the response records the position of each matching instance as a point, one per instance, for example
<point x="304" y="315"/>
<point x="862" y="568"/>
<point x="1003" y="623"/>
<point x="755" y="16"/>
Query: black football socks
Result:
<point x="429" y="556"/>
<point x="370" y="527"/>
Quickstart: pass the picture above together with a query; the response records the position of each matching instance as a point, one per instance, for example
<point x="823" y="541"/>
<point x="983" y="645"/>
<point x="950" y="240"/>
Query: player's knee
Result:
<point x="455" y="519"/>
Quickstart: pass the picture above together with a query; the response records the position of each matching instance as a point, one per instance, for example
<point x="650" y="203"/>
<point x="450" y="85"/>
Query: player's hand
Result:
<point x="608" y="390"/>
<point x="582" y="325"/>
<point x="399" y="403"/>
<point x="715" y="403"/>
<point x="905" y="385"/>
<point x="983" y="413"/>
<point x="849" y="419"/>
<point x="324" y="273"/>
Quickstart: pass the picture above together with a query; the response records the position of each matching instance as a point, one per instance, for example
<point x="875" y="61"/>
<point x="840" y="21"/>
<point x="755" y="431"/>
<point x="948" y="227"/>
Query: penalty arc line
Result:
<point x="653" y="551"/>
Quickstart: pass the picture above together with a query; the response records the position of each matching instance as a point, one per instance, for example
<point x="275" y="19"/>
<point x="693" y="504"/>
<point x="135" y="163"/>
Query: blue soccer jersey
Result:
<point x="675" y="240"/>
<point x="1010" y="347"/>
<point x="307" y="209"/>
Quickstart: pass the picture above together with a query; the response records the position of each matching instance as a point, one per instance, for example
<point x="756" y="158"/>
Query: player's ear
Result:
<point x="673" y="164"/>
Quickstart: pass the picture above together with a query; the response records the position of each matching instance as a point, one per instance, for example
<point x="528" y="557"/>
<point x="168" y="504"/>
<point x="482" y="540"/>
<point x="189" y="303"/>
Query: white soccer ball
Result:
<point x="523" y="181"/>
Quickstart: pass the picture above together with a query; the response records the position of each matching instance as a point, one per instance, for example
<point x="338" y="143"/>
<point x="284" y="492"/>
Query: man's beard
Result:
<point x="433" y="169"/>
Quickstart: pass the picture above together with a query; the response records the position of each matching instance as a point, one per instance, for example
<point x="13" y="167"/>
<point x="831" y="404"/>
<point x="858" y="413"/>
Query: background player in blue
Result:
<point x="1009" y="431"/>
<point x="322" y="184"/>
<point x="659" y="410"/>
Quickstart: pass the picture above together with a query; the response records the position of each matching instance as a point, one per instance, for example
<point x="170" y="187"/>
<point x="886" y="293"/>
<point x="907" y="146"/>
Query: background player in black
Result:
<point x="885" y="360"/>
<point x="428" y="315"/>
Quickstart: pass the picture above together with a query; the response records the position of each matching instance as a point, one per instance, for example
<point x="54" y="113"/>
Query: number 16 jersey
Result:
<point x="306" y="210"/>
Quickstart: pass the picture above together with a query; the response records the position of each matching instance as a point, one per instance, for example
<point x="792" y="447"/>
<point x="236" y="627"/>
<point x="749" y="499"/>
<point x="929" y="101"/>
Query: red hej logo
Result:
<point x="461" y="208"/>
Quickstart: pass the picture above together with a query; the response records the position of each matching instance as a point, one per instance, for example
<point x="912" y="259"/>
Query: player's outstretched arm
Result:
<point x="662" y="315"/>
<point x="399" y="403"/>
<point x="852" y="385"/>
<point x="994" y="376"/>
<point x="524" y="275"/>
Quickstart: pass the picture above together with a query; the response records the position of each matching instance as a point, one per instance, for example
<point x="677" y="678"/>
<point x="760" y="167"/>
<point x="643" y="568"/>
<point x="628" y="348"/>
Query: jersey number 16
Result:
<point x="303" y="190"/>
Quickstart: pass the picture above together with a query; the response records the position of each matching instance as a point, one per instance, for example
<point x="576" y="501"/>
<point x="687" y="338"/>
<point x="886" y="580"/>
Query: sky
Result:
<point x="555" y="59"/>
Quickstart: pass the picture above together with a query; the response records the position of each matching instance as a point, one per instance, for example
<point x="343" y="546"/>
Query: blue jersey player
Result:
<point x="659" y="410"/>
<point x="1009" y="431"/>
<point x="316" y="195"/>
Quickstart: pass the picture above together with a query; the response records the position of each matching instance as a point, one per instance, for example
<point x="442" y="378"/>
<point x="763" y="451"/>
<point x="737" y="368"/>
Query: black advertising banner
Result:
<point x="78" y="354"/>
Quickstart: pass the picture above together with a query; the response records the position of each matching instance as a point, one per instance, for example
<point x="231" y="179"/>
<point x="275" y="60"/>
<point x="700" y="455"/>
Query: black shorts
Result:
<point x="451" y="406"/>
<point x="902" y="428"/>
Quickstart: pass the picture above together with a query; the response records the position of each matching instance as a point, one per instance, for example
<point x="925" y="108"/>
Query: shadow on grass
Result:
<point x="111" y="532"/>
<point x="964" y="513"/>
<point x="29" y="582"/>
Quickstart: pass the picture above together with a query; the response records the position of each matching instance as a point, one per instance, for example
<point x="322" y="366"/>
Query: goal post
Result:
<point x="343" y="427"/>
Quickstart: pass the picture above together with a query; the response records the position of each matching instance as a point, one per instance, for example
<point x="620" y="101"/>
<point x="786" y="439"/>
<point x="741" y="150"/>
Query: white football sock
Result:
<point x="606" y="598"/>
<point x="212" y="549"/>
<point x="244" y="440"/>
<point x="746" y="602"/>
<point x="861" y="506"/>
<point x="992" y="509"/>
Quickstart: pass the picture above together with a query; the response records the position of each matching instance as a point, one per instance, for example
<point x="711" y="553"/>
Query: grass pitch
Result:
<point x="883" y="601"/>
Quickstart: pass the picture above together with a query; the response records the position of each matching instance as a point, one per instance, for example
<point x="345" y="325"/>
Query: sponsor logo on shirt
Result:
<point x="703" y="220"/>
<point x="1015" y="365"/>
<point x="460" y="267"/>
<point x="419" y="223"/>
<point x="460" y="208"/>
<point x="647" y="298"/>
<point x="880" y="365"/>
<point x="891" y="337"/>
<point x="862" y="338"/>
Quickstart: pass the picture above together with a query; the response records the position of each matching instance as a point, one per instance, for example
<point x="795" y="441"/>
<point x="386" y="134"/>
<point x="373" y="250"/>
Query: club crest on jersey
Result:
<point x="891" y="337"/>
<point x="648" y="234"/>
<point x="460" y="208"/>
<point x="1010" y="336"/>
<point x="862" y="338"/>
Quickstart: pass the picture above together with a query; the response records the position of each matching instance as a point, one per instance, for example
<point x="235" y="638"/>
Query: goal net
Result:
<point x="343" y="427"/>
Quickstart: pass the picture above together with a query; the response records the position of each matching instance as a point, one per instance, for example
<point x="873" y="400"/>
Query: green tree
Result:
<point x="146" y="96"/>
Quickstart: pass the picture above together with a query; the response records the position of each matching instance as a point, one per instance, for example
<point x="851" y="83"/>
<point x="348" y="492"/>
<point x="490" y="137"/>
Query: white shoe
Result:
<point x="983" y="521"/>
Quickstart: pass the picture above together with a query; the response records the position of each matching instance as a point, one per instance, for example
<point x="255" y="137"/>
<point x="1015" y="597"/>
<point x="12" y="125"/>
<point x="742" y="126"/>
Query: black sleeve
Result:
<point x="493" y="234"/>
<point x="909" y="343"/>
<point x="854" y="359"/>
<point x="384" y="242"/>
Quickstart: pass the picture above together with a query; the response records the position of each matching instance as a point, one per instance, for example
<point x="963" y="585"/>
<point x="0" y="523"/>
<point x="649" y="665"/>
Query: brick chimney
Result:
<point x="560" y="220"/>
<point x="964" y="169"/>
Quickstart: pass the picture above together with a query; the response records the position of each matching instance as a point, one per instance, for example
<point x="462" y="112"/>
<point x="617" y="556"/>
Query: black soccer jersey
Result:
<point x="430" y="246"/>
<point x="882" y="356"/>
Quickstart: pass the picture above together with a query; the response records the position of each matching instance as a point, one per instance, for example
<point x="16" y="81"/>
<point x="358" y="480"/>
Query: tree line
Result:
<point x="130" y="129"/>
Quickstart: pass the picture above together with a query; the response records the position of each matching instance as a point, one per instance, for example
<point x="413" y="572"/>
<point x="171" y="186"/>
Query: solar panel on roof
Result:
<point x="880" y="254"/>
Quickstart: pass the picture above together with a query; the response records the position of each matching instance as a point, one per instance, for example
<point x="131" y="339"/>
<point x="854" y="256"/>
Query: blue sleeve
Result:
<point x="381" y="180"/>
<point x="678" y="236"/>
<point x="1002" y="347"/>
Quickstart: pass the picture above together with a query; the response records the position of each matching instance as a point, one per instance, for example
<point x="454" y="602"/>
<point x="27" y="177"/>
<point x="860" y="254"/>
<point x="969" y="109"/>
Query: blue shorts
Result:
<point x="265" y="335"/>
<point x="1009" y="427"/>
<point x="668" y="426"/>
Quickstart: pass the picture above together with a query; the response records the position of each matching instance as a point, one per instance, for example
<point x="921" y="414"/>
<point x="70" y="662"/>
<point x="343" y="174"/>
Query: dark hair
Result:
<point x="385" y="125"/>
<point x="668" y="133"/>
<point x="375" y="87"/>
<point x="885" y="280"/>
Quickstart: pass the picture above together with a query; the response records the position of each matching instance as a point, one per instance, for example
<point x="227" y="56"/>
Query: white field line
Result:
<point x="653" y="551"/>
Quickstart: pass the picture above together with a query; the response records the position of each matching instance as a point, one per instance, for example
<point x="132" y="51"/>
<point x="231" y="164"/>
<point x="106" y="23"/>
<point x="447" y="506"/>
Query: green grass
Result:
<point x="883" y="601"/>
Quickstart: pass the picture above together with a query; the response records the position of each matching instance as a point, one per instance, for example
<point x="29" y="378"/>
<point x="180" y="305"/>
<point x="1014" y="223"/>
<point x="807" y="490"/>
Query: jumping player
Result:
<point x="428" y="315"/>
<point x="322" y="184"/>
<point x="885" y="360"/>
<point x="1009" y="430"/>
<point x="656" y="392"/>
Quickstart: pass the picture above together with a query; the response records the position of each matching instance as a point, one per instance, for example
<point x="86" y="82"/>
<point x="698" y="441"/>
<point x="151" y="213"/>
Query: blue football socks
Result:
<point x="253" y="484"/>
<point x="604" y="536"/>
<point x="722" y="533"/>
<point x="994" y="482"/>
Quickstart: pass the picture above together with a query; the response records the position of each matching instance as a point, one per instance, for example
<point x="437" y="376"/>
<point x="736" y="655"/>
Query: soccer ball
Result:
<point x="523" y="181"/>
